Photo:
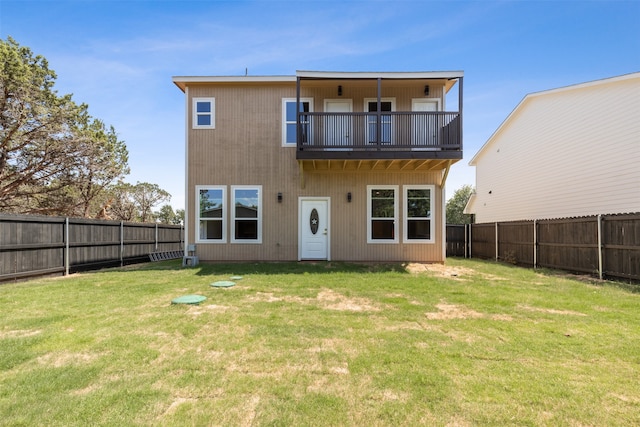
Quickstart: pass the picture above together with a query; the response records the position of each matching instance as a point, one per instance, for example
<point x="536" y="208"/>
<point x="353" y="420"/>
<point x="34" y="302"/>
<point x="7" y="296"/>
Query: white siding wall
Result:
<point x="569" y="152"/>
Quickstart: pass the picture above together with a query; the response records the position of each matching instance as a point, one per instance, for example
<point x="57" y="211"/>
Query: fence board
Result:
<point x="483" y="241"/>
<point x="456" y="240"/>
<point x="515" y="242"/>
<point x="621" y="242"/>
<point x="570" y="244"/>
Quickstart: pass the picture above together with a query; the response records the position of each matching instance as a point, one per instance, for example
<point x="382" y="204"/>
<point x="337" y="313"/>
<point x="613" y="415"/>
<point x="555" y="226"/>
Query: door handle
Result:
<point x="325" y="232"/>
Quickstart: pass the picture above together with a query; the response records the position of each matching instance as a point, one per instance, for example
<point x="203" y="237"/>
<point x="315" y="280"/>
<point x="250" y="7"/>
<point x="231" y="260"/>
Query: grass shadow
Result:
<point x="267" y="268"/>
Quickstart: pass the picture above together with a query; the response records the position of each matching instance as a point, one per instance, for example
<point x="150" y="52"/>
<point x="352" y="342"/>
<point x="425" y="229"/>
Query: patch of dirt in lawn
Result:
<point x="197" y="310"/>
<point x="58" y="360"/>
<point x="551" y="310"/>
<point x="326" y="298"/>
<point x="388" y="395"/>
<point x="20" y="333"/>
<point x="452" y="311"/>
<point x="439" y="270"/>
<point x="250" y="410"/>
<point x="336" y="301"/>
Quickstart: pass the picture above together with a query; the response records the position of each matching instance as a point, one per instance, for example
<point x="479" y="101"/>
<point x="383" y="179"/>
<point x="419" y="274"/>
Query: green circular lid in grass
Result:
<point x="222" y="284"/>
<point x="188" y="299"/>
<point x="236" y="277"/>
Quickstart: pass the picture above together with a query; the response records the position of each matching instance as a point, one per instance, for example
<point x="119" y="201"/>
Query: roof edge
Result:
<point x="183" y="81"/>
<point x="382" y="74"/>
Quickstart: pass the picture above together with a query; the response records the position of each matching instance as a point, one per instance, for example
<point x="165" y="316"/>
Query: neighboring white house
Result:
<point x="572" y="151"/>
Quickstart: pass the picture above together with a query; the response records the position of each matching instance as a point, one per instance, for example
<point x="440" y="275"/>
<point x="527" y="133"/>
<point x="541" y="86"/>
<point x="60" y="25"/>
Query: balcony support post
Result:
<point x="298" y="130"/>
<point x="460" y="109"/>
<point x="301" y="167"/>
<point x="379" y="114"/>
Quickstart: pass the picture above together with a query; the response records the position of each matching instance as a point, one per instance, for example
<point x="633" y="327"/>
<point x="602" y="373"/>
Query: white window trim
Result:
<point x="233" y="214"/>
<point x="284" y="118"/>
<point x="432" y="218"/>
<point x="194" y="113"/>
<point x="224" y="213"/>
<point x="396" y="189"/>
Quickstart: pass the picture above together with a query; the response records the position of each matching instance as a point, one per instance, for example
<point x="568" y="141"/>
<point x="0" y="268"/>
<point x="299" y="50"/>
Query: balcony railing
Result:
<point x="379" y="135"/>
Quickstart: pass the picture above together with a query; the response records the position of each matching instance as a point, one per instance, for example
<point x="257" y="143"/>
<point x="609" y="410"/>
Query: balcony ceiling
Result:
<point x="377" y="165"/>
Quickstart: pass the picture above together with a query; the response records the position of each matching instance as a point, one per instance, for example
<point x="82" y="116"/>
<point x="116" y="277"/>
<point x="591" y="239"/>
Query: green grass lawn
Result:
<point x="472" y="343"/>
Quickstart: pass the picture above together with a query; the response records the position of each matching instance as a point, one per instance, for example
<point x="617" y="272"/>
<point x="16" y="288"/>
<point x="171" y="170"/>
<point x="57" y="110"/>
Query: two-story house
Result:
<point x="347" y="166"/>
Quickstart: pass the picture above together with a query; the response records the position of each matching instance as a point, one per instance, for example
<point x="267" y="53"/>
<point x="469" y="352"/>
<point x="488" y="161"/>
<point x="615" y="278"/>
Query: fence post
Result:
<point x="535" y="244"/>
<point x="600" y="246"/>
<point x="496" y="241"/>
<point x="470" y="241"/>
<point x="121" y="243"/>
<point x="465" y="240"/>
<point x="66" y="246"/>
<point x="156" y="245"/>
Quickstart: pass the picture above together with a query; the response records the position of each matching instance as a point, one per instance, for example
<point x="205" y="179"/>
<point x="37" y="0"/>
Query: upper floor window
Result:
<point x="382" y="212"/>
<point x="204" y="113"/>
<point x="247" y="214"/>
<point x="289" y="120"/>
<point x="211" y="214"/>
<point x="419" y="224"/>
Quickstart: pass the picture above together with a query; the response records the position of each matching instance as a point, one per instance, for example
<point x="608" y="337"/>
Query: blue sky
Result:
<point x="119" y="56"/>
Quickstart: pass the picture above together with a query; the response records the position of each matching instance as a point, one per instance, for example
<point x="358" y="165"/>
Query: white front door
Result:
<point x="313" y="227"/>
<point x="338" y="129"/>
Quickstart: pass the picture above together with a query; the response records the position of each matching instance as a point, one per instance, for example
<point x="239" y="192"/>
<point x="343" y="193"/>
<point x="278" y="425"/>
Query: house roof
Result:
<point x="534" y="95"/>
<point x="183" y="81"/>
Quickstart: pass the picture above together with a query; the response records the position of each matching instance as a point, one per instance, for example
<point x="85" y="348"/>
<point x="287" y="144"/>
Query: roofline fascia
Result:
<point x="183" y="81"/>
<point x="383" y="75"/>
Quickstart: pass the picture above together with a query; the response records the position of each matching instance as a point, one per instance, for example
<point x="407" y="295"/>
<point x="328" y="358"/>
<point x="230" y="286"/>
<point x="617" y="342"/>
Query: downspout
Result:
<point x="186" y="170"/>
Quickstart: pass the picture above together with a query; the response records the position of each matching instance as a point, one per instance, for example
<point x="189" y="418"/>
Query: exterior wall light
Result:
<point x="340" y="90"/>
<point x="426" y="90"/>
<point x="279" y="197"/>
<point x="349" y="197"/>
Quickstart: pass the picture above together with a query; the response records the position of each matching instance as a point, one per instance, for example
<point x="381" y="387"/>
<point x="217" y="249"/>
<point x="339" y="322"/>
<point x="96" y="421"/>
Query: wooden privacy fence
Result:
<point x="38" y="245"/>
<point x="602" y="245"/>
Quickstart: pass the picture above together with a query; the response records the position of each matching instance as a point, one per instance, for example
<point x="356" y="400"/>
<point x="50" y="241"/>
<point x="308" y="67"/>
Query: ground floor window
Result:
<point x="211" y="214"/>
<point x="382" y="212"/>
<point x="418" y="214"/>
<point x="246" y="214"/>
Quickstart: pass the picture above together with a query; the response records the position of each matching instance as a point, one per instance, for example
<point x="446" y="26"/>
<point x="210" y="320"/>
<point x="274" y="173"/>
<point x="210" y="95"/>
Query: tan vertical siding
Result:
<point x="245" y="149"/>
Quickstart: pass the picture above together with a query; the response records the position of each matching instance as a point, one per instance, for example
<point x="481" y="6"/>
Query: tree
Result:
<point x="455" y="206"/>
<point x="122" y="206"/>
<point x="103" y="160"/>
<point x="146" y="196"/>
<point x="135" y="202"/>
<point x="54" y="157"/>
<point x="166" y="215"/>
<point x="180" y="216"/>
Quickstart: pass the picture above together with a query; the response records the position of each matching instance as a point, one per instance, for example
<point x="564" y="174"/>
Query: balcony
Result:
<point x="387" y="135"/>
<point x="353" y="116"/>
